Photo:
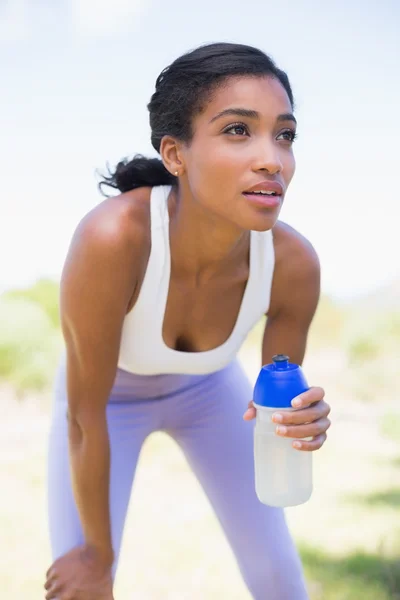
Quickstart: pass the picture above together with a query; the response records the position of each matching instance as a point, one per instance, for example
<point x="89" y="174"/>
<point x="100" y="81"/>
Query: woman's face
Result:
<point x="242" y="143"/>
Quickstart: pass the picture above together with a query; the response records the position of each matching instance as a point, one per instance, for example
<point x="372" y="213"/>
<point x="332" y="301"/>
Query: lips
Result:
<point x="265" y="195"/>
<point x="266" y="188"/>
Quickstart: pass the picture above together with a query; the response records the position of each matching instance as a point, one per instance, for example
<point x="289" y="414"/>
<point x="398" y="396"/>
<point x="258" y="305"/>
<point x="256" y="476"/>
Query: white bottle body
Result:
<point x="283" y="474"/>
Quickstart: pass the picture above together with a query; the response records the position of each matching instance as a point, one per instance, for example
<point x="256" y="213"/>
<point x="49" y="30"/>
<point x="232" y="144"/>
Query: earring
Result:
<point x="176" y="173"/>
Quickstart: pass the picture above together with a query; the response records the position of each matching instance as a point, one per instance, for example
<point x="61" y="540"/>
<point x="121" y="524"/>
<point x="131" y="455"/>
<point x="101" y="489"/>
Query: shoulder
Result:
<point x="294" y="253"/>
<point x="296" y="282"/>
<point x="110" y="244"/>
<point x="116" y="222"/>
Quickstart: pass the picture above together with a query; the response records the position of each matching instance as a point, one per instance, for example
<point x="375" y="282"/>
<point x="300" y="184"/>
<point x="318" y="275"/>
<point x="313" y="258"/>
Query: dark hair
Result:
<point x="182" y="91"/>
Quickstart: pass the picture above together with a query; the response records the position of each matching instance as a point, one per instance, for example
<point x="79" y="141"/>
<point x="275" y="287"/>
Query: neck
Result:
<point x="201" y="242"/>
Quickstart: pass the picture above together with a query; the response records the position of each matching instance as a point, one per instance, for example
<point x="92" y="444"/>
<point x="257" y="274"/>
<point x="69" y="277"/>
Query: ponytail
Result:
<point x="138" y="172"/>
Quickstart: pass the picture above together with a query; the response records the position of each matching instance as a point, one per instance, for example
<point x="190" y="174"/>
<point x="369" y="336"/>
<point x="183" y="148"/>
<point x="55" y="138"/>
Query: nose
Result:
<point x="267" y="158"/>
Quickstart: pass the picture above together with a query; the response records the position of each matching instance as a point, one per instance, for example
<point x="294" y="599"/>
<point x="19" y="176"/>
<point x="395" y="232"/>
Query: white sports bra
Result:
<point x="143" y="350"/>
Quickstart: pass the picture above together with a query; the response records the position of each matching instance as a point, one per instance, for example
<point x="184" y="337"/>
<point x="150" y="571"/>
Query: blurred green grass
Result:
<point x="348" y="534"/>
<point x="356" y="576"/>
<point x="390" y="425"/>
<point x="30" y="339"/>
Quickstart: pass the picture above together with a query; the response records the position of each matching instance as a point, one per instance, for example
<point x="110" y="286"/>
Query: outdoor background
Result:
<point x="76" y="77"/>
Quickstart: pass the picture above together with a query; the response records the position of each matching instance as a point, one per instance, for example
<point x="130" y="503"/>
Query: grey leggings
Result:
<point x="203" y="413"/>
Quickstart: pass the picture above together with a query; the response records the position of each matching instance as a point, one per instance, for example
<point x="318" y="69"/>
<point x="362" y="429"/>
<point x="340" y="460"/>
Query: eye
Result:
<point x="288" y="135"/>
<point x="238" y="129"/>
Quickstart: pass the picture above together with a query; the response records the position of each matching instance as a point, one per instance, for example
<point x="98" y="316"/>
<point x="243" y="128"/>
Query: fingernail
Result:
<point x="296" y="402"/>
<point x="277" y="418"/>
<point x="281" y="430"/>
<point x="297" y="444"/>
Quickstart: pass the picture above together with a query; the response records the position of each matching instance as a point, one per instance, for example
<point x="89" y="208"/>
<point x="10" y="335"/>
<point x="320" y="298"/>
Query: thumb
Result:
<point x="250" y="413"/>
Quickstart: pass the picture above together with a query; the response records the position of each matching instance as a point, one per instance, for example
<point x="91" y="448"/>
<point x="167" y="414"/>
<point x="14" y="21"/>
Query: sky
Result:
<point x="76" y="76"/>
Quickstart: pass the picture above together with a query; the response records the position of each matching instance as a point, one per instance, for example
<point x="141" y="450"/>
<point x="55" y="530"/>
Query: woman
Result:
<point x="161" y="285"/>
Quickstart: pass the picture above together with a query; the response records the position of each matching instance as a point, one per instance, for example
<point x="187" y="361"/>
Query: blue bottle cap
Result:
<point x="278" y="383"/>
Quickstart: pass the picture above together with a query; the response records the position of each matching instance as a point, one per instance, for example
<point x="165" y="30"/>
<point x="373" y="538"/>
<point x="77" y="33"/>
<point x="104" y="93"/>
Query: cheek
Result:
<point x="213" y="174"/>
<point x="215" y="163"/>
<point x="288" y="165"/>
<point x="217" y="157"/>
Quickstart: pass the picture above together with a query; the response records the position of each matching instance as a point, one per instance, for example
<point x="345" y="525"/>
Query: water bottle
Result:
<point x="283" y="474"/>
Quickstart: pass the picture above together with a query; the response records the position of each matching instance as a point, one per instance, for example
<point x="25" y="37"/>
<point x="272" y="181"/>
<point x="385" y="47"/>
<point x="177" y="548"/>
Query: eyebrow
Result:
<point x="250" y="114"/>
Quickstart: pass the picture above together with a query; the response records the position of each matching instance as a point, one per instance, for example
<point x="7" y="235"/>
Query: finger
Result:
<point x="50" y="572"/>
<point x="250" y="414"/>
<point x="53" y="596"/>
<point x="304" y="431"/>
<point x="314" y="394"/>
<point x="51" y="578"/>
<point x="53" y="592"/>
<point x="48" y="584"/>
<point x="303" y="415"/>
<point x="310" y="446"/>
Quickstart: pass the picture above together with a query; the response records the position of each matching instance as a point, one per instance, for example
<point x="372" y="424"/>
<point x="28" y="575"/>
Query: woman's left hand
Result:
<point x="309" y="420"/>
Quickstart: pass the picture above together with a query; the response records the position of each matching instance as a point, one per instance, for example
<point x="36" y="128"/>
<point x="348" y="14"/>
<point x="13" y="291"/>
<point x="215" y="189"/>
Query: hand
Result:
<point x="81" y="574"/>
<point x="311" y="420"/>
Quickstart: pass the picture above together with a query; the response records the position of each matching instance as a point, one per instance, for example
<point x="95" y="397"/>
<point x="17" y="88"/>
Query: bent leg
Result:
<point x="219" y="447"/>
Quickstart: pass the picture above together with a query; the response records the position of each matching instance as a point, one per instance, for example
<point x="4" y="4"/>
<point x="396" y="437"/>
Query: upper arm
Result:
<point x="294" y="297"/>
<point x="97" y="284"/>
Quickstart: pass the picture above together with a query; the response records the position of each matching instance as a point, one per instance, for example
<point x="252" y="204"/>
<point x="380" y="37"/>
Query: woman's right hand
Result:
<point x="81" y="574"/>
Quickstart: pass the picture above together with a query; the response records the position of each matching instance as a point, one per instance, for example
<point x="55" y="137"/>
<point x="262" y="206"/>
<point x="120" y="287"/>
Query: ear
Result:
<point x="172" y="155"/>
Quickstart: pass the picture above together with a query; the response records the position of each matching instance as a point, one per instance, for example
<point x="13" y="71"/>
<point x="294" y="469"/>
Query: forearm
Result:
<point x="281" y="336"/>
<point x="90" y="471"/>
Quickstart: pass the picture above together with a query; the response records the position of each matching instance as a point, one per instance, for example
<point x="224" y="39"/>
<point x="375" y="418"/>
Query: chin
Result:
<point x="257" y="218"/>
<point x="264" y="225"/>
<point x="260" y="222"/>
